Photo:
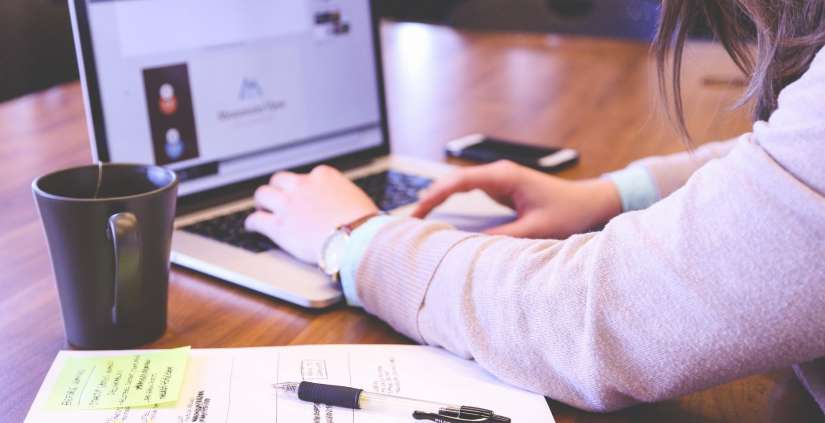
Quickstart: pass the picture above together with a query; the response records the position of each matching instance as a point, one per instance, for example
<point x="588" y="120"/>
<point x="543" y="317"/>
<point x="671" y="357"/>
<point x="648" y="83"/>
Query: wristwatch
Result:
<point x="335" y="247"/>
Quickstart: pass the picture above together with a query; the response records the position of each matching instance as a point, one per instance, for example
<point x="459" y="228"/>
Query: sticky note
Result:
<point x="108" y="382"/>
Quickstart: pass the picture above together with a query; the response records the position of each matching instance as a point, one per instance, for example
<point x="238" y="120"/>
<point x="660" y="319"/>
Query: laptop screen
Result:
<point x="223" y="91"/>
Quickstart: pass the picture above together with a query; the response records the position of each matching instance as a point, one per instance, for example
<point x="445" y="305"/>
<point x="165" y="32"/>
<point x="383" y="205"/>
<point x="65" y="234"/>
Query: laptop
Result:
<point x="225" y="93"/>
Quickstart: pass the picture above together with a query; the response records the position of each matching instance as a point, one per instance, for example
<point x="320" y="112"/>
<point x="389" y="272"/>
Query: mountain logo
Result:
<point x="250" y="89"/>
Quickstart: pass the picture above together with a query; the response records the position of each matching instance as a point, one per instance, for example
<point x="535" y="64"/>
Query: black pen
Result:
<point x="344" y="396"/>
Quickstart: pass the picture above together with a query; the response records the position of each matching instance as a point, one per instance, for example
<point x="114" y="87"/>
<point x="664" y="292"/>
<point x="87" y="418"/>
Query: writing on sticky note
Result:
<point x="103" y="382"/>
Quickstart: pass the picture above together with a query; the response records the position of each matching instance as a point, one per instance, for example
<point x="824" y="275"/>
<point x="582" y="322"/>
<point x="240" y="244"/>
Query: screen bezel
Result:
<point x="97" y="125"/>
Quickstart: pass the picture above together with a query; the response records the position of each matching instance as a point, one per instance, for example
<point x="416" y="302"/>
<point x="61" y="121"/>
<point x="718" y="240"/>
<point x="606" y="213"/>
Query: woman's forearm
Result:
<point x="665" y="174"/>
<point x="686" y="294"/>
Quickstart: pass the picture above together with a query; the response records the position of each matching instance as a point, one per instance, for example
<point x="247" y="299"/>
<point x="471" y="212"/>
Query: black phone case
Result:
<point x="489" y="156"/>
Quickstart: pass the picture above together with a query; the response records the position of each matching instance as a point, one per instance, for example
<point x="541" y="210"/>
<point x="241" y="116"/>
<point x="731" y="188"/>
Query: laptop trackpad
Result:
<point x="473" y="212"/>
<point x="471" y="223"/>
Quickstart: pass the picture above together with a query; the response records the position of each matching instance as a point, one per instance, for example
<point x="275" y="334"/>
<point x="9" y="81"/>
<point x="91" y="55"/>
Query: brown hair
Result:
<point x="788" y="34"/>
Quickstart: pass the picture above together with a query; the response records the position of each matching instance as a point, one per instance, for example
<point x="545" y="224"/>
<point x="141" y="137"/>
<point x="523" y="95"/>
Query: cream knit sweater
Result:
<point x="722" y="278"/>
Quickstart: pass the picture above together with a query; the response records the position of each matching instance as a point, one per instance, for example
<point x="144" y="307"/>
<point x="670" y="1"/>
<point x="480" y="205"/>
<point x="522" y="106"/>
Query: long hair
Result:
<point x="787" y="36"/>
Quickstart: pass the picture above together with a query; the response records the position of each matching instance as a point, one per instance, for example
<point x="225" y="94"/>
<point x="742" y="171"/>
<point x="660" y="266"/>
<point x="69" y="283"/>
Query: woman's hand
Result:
<point x="298" y="212"/>
<point x="547" y="206"/>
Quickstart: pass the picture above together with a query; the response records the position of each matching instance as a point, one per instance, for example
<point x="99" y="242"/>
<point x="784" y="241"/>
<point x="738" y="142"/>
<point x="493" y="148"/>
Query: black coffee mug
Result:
<point x="109" y="230"/>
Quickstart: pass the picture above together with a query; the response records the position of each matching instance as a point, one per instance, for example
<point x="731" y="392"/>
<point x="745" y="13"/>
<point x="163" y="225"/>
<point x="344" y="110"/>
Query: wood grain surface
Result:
<point x="598" y="96"/>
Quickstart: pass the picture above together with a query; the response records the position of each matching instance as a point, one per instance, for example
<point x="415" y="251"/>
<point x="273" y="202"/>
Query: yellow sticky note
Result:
<point x="136" y="380"/>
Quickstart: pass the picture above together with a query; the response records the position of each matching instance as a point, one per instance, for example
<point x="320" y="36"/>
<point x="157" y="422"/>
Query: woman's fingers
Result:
<point x="324" y="171"/>
<point x="438" y="192"/>
<point x="287" y="181"/>
<point x="270" y="198"/>
<point x="491" y="179"/>
<point x="262" y="222"/>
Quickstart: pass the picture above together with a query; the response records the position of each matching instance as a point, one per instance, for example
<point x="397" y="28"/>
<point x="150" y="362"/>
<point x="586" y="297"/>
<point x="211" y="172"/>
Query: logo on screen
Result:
<point x="253" y="103"/>
<point x="174" y="144"/>
<point x="250" y="89"/>
<point x="168" y="101"/>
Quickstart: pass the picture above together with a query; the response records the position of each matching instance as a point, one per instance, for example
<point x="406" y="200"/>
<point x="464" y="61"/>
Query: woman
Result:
<point x="720" y="272"/>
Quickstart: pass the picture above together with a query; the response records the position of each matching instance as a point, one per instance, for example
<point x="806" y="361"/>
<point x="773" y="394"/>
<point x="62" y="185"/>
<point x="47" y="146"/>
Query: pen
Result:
<point x="344" y="396"/>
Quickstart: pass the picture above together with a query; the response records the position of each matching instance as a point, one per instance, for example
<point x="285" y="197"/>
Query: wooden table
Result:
<point x="597" y="96"/>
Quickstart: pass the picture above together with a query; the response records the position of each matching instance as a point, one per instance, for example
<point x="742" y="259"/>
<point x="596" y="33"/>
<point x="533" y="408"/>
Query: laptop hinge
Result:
<point x="350" y="163"/>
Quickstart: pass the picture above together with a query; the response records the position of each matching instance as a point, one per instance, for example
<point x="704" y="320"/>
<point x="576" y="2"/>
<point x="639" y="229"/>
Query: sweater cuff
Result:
<point x="395" y="273"/>
<point x="637" y="189"/>
<point x="358" y="243"/>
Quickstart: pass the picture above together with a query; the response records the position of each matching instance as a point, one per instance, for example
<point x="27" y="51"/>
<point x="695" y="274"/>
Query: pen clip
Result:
<point x="461" y="415"/>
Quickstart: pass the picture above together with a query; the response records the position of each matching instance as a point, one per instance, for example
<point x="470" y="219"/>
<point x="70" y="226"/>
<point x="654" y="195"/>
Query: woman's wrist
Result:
<point x="360" y="240"/>
<point x="606" y="201"/>
<point x="635" y="186"/>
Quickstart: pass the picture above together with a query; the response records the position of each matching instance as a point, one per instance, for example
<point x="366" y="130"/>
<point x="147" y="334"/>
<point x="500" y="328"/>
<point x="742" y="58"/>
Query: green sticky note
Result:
<point x="137" y="380"/>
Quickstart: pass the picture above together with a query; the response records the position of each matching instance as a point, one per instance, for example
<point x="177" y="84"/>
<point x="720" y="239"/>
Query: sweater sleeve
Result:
<point x="694" y="291"/>
<point x="672" y="171"/>
<point x="721" y="279"/>
<point x="646" y="181"/>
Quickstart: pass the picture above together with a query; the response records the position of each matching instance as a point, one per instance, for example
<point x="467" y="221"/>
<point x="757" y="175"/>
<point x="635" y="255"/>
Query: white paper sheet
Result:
<point x="235" y="385"/>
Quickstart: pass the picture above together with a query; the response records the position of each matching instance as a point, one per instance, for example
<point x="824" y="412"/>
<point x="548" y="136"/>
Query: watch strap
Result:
<point x="350" y="227"/>
<point x="347" y="229"/>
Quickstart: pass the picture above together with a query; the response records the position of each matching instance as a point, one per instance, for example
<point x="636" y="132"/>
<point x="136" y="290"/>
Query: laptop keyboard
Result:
<point x="389" y="190"/>
<point x="229" y="228"/>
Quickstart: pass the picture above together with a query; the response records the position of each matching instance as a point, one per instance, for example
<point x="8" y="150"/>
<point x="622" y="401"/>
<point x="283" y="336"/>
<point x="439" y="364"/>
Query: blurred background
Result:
<point x="37" y="51"/>
<point x="36" y="48"/>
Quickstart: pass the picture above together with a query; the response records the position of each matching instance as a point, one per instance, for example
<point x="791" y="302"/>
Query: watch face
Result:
<point x="332" y="256"/>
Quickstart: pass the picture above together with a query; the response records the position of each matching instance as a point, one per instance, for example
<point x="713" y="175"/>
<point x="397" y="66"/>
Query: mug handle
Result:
<point x="123" y="228"/>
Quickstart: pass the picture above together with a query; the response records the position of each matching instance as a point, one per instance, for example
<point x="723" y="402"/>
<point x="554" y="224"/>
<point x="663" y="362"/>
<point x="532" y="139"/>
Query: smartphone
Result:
<point x="484" y="149"/>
